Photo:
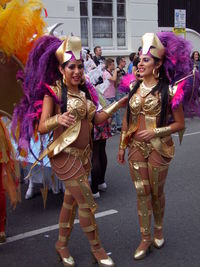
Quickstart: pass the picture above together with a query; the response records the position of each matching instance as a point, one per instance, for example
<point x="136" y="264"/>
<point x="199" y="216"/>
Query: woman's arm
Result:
<point x="122" y="146"/>
<point x="176" y="126"/>
<point x="114" y="77"/>
<point x="48" y="122"/>
<point x="108" y="112"/>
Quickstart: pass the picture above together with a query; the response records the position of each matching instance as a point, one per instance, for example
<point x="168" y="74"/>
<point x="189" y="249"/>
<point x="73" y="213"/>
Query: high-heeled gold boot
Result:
<point x="102" y="262"/>
<point x="67" y="261"/>
<point x="142" y="253"/>
<point x="158" y="241"/>
<point x="144" y="207"/>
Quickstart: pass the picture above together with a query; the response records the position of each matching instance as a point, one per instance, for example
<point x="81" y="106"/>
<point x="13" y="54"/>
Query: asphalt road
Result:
<point x="119" y="230"/>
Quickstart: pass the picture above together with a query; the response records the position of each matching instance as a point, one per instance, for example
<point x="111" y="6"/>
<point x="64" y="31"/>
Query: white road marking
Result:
<point x="52" y="228"/>
<point x="188" y="134"/>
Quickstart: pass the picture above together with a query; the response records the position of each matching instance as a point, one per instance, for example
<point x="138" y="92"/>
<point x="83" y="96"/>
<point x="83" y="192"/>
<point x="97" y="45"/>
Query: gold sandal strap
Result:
<point x="67" y="206"/>
<point x="83" y="206"/>
<point x="84" y="214"/>
<point x="64" y="225"/>
<point x="62" y="238"/>
<point x="94" y="242"/>
<point x="90" y="228"/>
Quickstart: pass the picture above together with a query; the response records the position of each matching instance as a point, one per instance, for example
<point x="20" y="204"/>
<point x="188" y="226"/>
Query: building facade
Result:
<point x="117" y="25"/>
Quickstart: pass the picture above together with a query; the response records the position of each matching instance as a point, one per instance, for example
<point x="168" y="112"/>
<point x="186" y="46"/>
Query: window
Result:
<point x="166" y="19"/>
<point x="103" y="22"/>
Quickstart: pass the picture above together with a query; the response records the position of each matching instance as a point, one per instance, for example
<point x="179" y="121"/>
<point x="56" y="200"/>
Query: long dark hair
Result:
<point x="161" y="87"/>
<point x="81" y="87"/>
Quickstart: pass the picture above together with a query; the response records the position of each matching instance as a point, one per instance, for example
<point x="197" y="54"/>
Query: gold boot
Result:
<point x="144" y="207"/>
<point x="158" y="243"/>
<point x="142" y="253"/>
<point x="102" y="262"/>
<point x="67" y="261"/>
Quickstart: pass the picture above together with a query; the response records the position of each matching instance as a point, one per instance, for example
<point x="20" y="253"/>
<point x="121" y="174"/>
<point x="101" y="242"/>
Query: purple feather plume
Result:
<point x="125" y="82"/>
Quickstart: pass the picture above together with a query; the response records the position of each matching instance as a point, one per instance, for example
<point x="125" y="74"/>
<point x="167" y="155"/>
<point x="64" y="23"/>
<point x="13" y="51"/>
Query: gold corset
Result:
<point x="77" y="103"/>
<point x="151" y="105"/>
<point x="79" y="106"/>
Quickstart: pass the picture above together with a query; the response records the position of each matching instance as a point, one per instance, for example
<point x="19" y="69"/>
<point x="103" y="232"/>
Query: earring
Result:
<point x="83" y="80"/>
<point x="156" y="75"/>
<point x="64" y="79"/>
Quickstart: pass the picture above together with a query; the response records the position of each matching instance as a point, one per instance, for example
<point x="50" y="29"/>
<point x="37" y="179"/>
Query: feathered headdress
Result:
<point x="184" y="80"/>
<point x="21" y="24"/>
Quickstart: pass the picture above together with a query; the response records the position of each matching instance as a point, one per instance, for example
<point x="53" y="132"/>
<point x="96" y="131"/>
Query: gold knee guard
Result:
<point x="144" y="209"/>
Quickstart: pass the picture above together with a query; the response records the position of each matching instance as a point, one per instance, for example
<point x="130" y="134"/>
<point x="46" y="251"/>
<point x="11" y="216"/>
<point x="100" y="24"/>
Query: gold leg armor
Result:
<point x="157" y="181"/>
<point x="69" y="211"/>
<point x="143" y="195"/>
<point x="142" y="186"/>
<point x="66" y="222"/>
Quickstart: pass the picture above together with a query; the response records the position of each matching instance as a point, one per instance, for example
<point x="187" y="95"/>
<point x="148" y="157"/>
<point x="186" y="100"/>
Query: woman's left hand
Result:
<point x="146" y="135"/>
<point x="123" y="102"/>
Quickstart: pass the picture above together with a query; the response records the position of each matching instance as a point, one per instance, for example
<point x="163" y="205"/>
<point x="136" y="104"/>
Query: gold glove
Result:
<point x="51" y="123"/>
<point x="122" y="143"/>
<point x="111" y="109"/>
<point x="163" y="131"/>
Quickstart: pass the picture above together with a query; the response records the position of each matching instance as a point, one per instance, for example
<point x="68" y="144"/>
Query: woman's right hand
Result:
<point x="66" y="119"/>
<point x="120" y="156"/>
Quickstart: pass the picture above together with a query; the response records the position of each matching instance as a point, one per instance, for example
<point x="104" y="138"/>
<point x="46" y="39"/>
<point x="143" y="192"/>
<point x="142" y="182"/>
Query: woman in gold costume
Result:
<point x="154" y="112"/>
<point x="68" y="110"/>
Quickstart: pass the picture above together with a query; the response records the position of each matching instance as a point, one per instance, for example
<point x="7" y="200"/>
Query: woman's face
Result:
<point x="73" y="72"/>
<point x="146" y="65"/>
<point x="196" y="56"/>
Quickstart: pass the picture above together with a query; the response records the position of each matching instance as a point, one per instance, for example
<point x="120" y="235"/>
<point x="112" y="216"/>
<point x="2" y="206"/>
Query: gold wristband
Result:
<point x="111" y="108"/>
<point x="51" y="123"/>
<point x="163" y="131"/>
<point x="122" y="143"/>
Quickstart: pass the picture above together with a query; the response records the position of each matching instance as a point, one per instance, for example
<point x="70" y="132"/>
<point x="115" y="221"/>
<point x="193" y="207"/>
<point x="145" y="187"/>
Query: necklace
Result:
<point x="144" y="90"/>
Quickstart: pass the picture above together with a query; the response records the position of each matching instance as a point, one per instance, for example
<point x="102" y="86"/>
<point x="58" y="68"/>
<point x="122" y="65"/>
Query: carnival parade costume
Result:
<point x="149" y="161"/>
<point x="9" y="176"/>
<point x="16" y="40"/>
<point x="69" y="152"/>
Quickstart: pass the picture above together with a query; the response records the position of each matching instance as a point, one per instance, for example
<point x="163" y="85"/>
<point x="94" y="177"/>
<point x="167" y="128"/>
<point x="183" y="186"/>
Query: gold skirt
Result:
<point x="72" y="162"/>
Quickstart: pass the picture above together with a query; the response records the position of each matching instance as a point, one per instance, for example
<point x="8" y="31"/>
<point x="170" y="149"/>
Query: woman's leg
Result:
<point x="158" y="168"/>
<point x="66" y="221"/>
<point x="81" y="192"/>
<point x="139" y="173"/>
<point x="2" y="208"/>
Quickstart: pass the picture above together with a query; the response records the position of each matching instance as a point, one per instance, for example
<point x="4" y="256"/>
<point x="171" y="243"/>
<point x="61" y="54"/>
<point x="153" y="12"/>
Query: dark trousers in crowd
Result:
<point x="99" y="164"/>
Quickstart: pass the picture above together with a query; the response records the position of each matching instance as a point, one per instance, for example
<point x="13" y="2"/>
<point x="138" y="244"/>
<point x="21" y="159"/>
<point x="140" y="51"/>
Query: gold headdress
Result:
<point x="70" y="49"/>
<point x="152" y="44"/>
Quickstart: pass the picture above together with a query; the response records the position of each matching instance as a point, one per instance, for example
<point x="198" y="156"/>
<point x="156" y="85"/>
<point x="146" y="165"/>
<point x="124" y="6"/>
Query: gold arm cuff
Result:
<point x="51" y="123"/>
<point x="111" y="108"/>
<point x="163" y="131"/>
<point x="122" y="144"/>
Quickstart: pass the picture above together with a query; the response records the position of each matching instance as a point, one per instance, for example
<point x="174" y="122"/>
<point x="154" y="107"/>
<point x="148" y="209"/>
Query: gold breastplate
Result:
<point x="150" y="106"/>
<point x="77" y="103"/>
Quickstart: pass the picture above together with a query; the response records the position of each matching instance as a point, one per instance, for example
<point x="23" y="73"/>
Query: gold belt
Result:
<point x="145" y="148"/>
<point x="83" y="154"/>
